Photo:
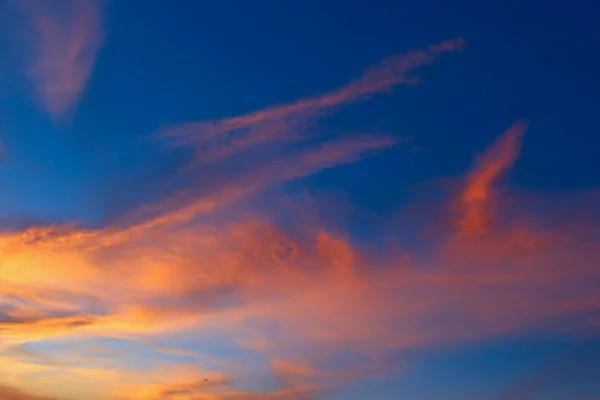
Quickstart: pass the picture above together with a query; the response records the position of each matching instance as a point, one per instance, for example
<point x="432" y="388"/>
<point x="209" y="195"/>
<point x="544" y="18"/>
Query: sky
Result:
<point x="300" y="200"/>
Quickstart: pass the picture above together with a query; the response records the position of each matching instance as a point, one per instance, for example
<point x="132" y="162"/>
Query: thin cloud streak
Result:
<point x="221" y="138"/>
<point x="280" y="170"/>
<point x="499" y="157"/>
<point x="65" y="41"/>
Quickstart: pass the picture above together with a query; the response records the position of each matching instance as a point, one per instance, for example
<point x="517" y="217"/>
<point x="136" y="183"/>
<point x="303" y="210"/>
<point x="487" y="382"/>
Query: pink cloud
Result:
<point x="221" y="138"/>
<point x="65" y="40"/>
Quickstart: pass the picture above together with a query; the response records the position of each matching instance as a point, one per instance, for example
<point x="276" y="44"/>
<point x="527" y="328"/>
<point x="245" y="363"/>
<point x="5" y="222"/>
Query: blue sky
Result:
<point x="297" y="200"/>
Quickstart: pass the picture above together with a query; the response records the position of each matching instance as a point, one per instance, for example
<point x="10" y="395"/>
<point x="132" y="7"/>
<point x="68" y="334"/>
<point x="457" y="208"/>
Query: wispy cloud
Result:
<point x="65" y="40"/>
<point x="477" y="196"/>
<point x="264" y="134"/>
<point x="34" y="328"/>
<point x="268" y="173"/>
<point x="220" y="138"/>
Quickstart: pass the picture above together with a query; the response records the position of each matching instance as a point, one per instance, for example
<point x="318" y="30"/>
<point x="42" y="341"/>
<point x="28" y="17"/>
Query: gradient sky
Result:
<point x="301" y="200"/>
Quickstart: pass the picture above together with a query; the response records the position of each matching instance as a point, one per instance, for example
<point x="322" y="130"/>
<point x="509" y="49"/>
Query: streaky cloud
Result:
<point x="221" y="138"/>
<point x="276" y="171"/>
<point x="222" y="142"/>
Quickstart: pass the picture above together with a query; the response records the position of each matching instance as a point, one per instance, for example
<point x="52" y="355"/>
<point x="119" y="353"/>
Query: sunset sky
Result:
<point x="299" y="200"/>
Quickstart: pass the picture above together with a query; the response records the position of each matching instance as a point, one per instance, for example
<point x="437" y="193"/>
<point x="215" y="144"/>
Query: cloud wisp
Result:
<point x="216" y="139"/>
<point x="65" y="39"/>
<point x="478" y="193"/>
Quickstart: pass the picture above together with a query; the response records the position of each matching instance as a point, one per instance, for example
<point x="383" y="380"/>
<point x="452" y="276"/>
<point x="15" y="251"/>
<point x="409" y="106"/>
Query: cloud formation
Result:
<point x="219" y="297"/>
<point x="65" y="40"/>
<point x="275" y="292"/>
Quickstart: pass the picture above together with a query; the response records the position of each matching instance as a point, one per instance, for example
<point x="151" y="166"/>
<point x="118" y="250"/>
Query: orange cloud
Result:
<point x="477" y="196"/>
<point x="66" y="38"/>
<point x="9" y="393"/>
<point x="249" y="279"/>
<point x="39" y="328"/>
<point x="198" y="266"/>
<point x="277" y="293"/>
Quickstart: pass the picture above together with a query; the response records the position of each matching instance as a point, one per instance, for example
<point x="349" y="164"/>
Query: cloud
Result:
<point x="186" y="206"/>
<point x="249" y="282"/>
<point x="9" y="393"/>
<point x="65" y="41"/>
<point x="261" y="134"/>
<point x="240" y="295"/>
<point x="38" y="328"/>
<point x="193" y="387"/>
<point x="477" y="195"/>
<point x="216" y="139"/>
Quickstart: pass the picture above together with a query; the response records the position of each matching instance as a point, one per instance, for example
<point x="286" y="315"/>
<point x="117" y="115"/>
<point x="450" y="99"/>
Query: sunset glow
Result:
<point x="244" y="202"/>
